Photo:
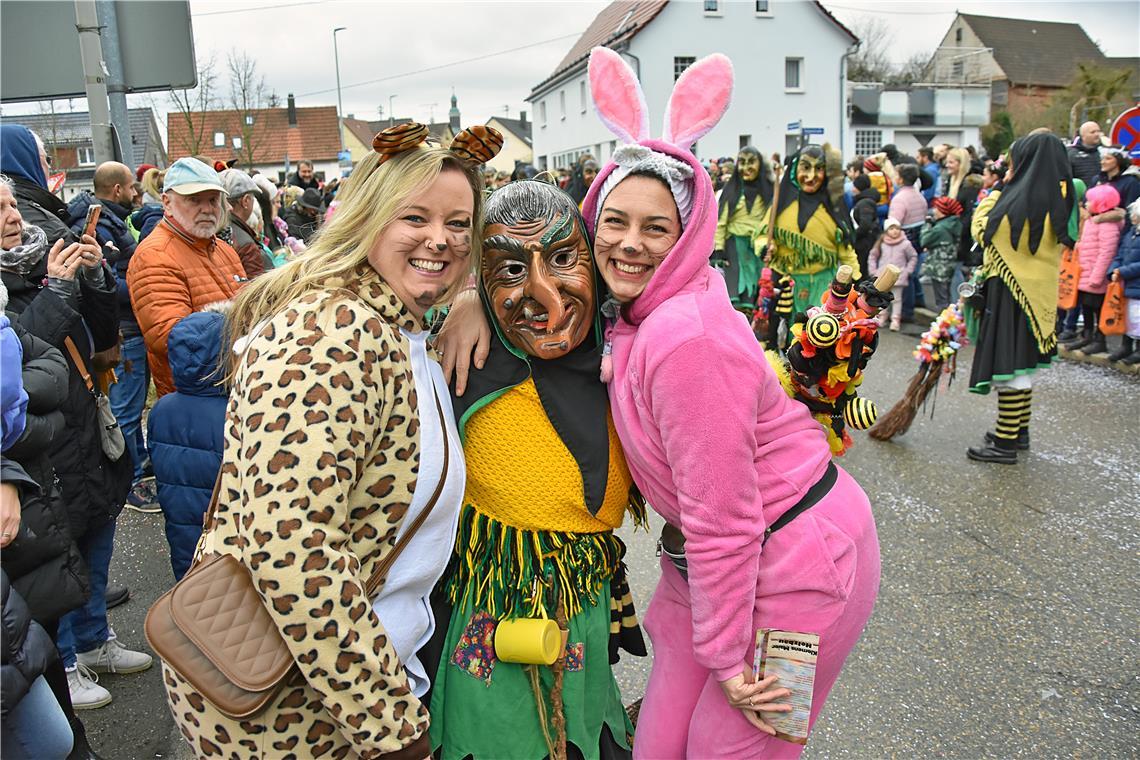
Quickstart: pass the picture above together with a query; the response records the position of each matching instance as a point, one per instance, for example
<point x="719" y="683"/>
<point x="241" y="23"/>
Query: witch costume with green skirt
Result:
<point x="742" y="226"/>
<point x="547" y="485"/>
<point x="812" y="233"/>
<point x="1022" y="228"/>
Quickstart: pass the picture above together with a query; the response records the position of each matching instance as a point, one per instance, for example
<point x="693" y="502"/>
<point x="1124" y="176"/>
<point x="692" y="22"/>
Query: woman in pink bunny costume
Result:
<point x="715" y="444"/>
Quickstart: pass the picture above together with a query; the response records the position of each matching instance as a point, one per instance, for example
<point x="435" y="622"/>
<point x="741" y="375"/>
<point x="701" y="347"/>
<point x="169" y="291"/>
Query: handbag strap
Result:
<point x="76" y="357"/>
<point x="381" y="571"/>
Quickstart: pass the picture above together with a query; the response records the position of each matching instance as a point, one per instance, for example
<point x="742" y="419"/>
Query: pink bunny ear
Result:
<point x="699" y="100"/>
<point x="617" y="96"/>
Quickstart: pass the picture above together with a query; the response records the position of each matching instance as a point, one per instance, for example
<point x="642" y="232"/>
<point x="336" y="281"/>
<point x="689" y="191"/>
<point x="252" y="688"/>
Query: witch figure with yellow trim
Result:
<point x="1021" y="227"/>
<point x="742" y="226"/>
<point x="539" y="599"/>
<point x="811" y="234"/>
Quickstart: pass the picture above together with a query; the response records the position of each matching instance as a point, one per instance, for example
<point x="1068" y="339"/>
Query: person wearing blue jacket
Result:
<point x="185" y="432"/>
<point x="115" y="192"/>
<point x="13" y="398"/>
<point x="1126" y="267"/>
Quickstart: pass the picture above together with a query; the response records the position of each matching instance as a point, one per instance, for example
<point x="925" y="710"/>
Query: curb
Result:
<point x="1099" y="360"/>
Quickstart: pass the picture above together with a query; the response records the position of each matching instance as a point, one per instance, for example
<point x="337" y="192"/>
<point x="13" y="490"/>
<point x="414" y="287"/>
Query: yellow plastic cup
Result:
<point x="528" y="641"/>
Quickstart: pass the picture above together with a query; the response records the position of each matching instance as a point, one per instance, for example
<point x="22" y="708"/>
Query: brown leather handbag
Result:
<point x="213" y="629"/>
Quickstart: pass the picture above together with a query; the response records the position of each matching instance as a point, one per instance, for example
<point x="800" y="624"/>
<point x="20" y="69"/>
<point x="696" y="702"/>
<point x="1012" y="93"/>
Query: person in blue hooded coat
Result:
<point x="185" y="432"/>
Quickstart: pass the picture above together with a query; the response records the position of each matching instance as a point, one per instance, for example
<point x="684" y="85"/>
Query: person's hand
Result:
<point x="1115" y="275"/>
<point x="9" y="513"/>
<point x="90" y="252"/>
<point x="464" y="337"/>
<point x="62" y="262"/>
<point x="754" y="697"/>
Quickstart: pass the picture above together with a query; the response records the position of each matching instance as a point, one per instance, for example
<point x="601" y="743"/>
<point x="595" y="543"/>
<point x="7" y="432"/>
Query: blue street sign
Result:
<point x="344" y="157"/>
<point x="813" y="130"/>
<point x="793" y="126"/>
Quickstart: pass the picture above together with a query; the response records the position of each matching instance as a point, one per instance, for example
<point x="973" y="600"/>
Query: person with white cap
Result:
<point x="241" y="192"/>
<point x="182" y="265"/>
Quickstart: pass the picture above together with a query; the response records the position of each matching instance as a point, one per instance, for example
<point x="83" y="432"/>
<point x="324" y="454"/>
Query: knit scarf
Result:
<point x="23" y="258"/>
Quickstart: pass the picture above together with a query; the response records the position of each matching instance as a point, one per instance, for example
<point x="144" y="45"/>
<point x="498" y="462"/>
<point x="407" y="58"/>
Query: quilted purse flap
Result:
<point x="217" y="608"/>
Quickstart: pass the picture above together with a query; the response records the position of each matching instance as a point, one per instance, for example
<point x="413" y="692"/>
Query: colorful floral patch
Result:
<point x="475" y="652"/>
<point x="575" y="656"/>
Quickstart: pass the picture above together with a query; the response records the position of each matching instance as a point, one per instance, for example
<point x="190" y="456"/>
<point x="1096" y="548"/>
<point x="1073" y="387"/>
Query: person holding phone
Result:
<point x="104" y="215"/>
<point x="62" y="292"/>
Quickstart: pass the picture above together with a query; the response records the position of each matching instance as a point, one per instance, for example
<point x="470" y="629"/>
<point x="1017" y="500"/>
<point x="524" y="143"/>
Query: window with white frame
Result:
<point x="562" y="102"/>
<point x="712" y="6"/>
<point x="680" y="63"/>
<point x="763" y="8"/>
<point x="219" y="139"/>
<point x="542" y="113"/>
<point x="793" y="73"/>
<point x="582" y="94"/>
<point x="867" y="141"/>
<point x="85" y="155"/>
<point x="958" y="68"/>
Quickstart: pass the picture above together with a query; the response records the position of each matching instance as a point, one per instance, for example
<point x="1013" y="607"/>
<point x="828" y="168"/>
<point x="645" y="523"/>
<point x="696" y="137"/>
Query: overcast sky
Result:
<point x="419" y="51"/>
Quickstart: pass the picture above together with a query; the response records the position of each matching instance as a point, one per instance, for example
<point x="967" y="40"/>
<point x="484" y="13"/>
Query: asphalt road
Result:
<point x="1006" y="621"/>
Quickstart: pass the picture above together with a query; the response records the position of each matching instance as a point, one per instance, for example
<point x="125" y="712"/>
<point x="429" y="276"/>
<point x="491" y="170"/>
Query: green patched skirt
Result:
<point x="483" y="708"/>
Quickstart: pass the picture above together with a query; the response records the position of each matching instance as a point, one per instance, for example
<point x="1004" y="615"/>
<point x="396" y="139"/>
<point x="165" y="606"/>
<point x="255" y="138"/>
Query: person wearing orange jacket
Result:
<point x="182" y="265"/>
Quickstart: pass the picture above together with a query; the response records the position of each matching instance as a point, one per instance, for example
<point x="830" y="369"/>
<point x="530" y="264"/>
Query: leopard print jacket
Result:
<point x="320" y="463"/>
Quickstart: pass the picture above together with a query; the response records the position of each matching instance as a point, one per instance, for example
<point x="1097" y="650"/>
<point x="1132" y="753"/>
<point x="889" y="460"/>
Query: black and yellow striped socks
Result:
<point x="1013" y="413"/>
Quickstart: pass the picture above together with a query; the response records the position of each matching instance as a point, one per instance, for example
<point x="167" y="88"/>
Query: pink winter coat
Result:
<point x="908" y="206"/>
<point x="900" y="253"/>
<point x="713" y="441"/>
<point x="1099" y="241"/>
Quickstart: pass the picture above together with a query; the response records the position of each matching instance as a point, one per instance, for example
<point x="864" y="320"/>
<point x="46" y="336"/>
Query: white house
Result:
<point x="789" y="57"/>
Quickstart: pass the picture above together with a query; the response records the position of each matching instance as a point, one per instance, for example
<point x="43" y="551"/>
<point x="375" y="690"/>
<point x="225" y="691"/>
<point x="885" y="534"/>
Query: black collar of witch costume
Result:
<point x="575" y="400"/>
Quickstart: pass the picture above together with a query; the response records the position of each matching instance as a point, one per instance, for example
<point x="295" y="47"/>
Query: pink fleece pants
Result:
<point x="819" y="573"/>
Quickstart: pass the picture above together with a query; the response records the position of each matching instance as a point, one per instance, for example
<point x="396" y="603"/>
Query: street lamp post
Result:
<point x="339" y="105"/>
<point x="391" y="116"/>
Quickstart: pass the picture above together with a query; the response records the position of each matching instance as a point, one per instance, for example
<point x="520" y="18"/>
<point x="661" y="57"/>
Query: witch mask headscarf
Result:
<point x="541" y="293"/>
<point x="1041" y="190"/>
<point x="752" y="179"/>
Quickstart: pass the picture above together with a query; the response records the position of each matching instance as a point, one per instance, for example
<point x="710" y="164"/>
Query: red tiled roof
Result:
<point x="314" y="138"/>
<point x="361" y="129"/>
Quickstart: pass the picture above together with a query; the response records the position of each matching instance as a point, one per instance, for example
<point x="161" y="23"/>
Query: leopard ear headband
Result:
<point x="477" y="145"/>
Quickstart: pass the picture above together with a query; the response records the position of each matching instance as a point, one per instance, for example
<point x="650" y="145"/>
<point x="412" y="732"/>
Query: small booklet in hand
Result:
<point x="791" y="656"/>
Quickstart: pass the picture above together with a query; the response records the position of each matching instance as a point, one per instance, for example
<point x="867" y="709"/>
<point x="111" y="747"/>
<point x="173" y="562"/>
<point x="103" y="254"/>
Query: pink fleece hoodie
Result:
<point x="713" y="441"/>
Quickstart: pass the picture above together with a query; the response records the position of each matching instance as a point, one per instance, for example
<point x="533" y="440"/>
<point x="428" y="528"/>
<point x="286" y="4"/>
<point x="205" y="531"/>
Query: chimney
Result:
<point x="522" y="117"/>
<point x="292" y="110"/>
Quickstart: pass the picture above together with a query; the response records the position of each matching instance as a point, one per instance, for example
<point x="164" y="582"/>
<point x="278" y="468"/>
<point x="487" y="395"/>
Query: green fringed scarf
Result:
<point x="498" y="567"/>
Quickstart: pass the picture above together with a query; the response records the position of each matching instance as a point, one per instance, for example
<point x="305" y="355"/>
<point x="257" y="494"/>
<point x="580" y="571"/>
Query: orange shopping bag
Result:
<point x="1112" y="313"/>
<point x="1070" y="276"/>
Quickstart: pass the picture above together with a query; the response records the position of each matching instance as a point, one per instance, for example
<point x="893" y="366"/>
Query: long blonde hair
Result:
<point x="378" y="193"/>
<point x="963" y="157"/>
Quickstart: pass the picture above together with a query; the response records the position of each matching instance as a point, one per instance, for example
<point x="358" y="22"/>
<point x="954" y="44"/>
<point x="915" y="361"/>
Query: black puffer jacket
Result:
<point x="27" y="650"/>
<point x="1085" y="162"/>
<point x="94" y="488"/>
<point x="43" y="562"/>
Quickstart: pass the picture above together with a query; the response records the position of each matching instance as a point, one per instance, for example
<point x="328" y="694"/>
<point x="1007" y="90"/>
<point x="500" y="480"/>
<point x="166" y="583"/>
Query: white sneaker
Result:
<point x="113" y="657"/>
<point x="86" y="693"/>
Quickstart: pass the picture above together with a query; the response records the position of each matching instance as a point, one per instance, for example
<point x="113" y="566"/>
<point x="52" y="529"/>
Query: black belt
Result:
<point x="672" y="541"/>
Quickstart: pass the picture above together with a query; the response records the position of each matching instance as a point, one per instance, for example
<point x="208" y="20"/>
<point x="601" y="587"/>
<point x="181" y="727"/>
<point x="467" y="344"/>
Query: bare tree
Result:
<point x="871" y="63"/>
<point x="190" y="108"/>
<point x="248" y="95"/>
<point x="911" y="71"/>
